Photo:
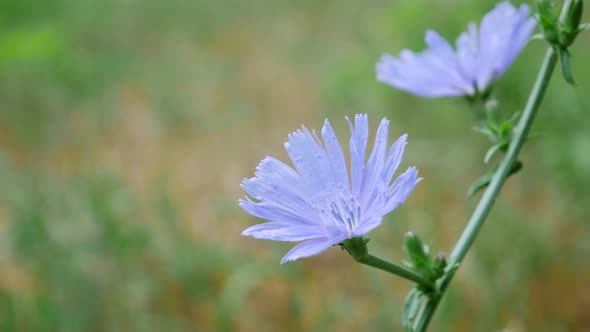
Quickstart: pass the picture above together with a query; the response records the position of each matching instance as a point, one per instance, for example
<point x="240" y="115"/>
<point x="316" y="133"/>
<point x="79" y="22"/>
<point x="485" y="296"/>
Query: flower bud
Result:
<point x="440" y="264"/>
<point x="548" y="19"/>
<point x="415" y="249"/>
<point x="571" y="23"/>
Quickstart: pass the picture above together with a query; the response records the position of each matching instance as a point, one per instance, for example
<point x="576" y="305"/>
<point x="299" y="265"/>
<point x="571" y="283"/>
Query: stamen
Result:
<point x="338" y="208"/>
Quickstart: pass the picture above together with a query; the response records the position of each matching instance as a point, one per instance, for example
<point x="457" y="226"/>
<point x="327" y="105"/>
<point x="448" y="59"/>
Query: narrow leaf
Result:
<point x="493" y="127"/>
<point x="516" y="167"/>
<point x="504" y="145"/>
<point x="491" y="152"/>
<point x="485" y="131"/>
<point x="411" y="306"/>
<point x="484" y="180"/>
<point x="506" y="128"/>
<point x="565" y="60"/>
<point x="515" y="116"/>
<point x="479" y="184"/>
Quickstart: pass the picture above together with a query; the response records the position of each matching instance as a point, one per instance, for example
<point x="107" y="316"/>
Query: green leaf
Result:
<point x="565" y="60"/>
<point x="479" y="184"/>
<point x="515" y="116"/>
<point x="505" y="129"/>
<point x="504" y="145"/>
<point x="516" y="167"/>
<point x="491" y="152"/>
<point x="407" y="264"/>
<point x="493" y="127"/>
<point x="439" y="266"/>
<point x="411" y="306"/>
<point x="486" y="131"/>
<point x="484" y="180"/>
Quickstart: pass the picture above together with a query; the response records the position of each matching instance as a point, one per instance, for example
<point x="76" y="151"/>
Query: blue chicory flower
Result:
<point x="318" y="202"/>
<point x="481" y="56"/>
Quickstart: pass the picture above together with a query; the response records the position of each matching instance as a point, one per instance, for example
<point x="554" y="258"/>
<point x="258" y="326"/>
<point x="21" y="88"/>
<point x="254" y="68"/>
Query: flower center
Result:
<point x="338" y="209"/>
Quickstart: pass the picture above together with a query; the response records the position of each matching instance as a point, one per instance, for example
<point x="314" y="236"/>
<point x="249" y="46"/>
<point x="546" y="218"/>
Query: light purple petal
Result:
<point x="375" y="165"/>
<point x="401" y="188"/>
<point x="481" y="56"/>
<point x="309" y="159"/>
<point x="503" y="33"/>
<point x="521" y="33"/>
<point x="368" y="226"/>
<point x="394" y="158"/>
<point x="309" y="248"/>
<point x="359" y="134"/>
<point x="443" y="58"/>
<point x="277" y="182"/>
<point x="494" y="30"/>
<point x="335" y="156"/>
<point x="270" y="211"/>
<point x="416" y="75"/>
<point x="468" y="50"/>
<point x="282" y="231"/>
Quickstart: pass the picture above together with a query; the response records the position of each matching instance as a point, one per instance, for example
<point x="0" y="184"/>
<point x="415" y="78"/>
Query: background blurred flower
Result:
<point x="481" y="56"/>
<point x="319" y="203"/>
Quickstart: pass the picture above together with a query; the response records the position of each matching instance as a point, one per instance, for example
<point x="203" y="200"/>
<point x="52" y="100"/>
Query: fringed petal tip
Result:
<point x="386" y="65"/>
<point x="243" y="201"/>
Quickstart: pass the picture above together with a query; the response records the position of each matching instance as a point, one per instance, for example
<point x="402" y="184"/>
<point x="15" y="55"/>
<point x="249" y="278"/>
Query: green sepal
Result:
<point x="356" y="248"/>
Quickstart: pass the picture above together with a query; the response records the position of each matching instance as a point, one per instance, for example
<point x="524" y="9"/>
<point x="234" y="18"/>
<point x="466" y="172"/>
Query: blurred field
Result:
<point x="127" y="126"/>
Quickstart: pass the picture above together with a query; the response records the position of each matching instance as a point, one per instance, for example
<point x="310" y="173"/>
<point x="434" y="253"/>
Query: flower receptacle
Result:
<point x="356" y="248"/>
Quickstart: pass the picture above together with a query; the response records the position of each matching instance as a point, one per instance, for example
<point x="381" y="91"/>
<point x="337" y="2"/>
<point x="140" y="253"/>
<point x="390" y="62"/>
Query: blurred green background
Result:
<point x="127" y="126"/>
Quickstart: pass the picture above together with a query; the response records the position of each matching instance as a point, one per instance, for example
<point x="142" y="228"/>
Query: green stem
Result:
<point x="486" y="202"/>
<point x="384" y="265"/>
<point x="357" y="249"/>
<point x="489" y="197"/>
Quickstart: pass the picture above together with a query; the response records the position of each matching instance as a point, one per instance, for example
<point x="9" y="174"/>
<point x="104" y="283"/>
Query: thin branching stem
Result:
<point x="381" y="264"/>
<point x="488" y="199"/>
